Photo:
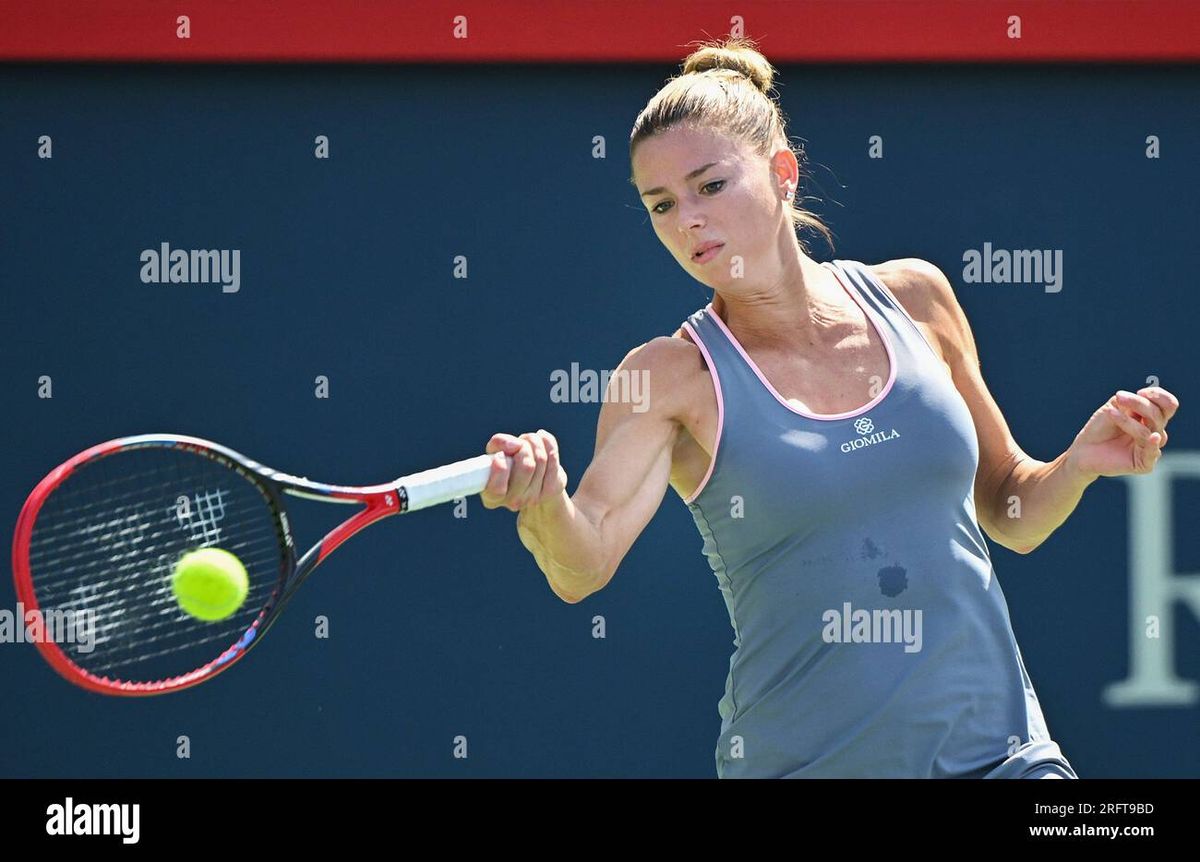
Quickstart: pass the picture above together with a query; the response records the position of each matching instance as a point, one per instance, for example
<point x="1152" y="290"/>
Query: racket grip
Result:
<point x="448" y="482"/>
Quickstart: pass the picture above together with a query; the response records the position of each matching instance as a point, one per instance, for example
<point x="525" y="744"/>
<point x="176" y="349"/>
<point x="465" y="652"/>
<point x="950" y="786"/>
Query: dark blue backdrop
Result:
<point x="442" y="626"/>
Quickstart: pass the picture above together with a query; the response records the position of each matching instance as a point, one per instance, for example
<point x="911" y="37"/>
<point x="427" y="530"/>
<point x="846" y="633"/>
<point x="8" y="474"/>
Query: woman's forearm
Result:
<point x="1038" y="497"/>
<point x="566" y="546"/>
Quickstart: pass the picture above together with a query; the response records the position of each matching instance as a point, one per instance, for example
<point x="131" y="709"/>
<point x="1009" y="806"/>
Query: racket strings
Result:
<point x="225" y="637"/>
<point x="116" y="613"/>
<point x="106" y="542"/>
<point x="74" y="565"/>
<point x="115" y="501"/>
<point x="151" y="647"/>
<point x="124" y="654"/>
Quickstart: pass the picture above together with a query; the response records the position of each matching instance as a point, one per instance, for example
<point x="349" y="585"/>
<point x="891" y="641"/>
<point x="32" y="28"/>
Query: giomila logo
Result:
<point x="868" y="436"/>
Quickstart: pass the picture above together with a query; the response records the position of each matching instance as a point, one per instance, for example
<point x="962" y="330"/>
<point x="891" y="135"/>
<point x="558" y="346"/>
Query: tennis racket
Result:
<point x="100" y="536"/>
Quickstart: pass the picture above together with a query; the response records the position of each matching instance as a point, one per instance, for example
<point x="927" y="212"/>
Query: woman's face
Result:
<point x="700" y="187"/>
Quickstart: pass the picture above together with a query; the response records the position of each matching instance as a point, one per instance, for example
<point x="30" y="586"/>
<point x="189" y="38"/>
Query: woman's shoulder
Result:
<point x="671" y="365"/>
<point x="671" y="356"/>
<point x="673" y="360"/>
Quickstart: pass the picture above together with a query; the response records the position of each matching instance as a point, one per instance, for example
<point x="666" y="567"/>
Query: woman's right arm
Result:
<point x="579" y="541"/>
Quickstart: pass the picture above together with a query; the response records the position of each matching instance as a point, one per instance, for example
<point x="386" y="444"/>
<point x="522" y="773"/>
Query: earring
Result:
<point x="787" y="196"/>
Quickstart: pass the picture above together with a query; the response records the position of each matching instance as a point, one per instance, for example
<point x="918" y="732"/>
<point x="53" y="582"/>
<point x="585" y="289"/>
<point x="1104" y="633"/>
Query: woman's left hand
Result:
<point x="1126" y="434"/>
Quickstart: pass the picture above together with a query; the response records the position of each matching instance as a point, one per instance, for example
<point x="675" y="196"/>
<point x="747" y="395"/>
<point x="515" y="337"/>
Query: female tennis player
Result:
<point x="828" y="427"/>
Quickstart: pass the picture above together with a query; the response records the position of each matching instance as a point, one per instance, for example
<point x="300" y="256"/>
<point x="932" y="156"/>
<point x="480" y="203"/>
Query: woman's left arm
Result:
<point x="1020" y="500"/>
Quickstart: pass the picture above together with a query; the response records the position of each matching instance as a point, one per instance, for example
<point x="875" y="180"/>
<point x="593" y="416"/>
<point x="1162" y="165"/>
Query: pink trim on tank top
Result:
<point x="716" y="379"/>
<point x="880" y="328"/>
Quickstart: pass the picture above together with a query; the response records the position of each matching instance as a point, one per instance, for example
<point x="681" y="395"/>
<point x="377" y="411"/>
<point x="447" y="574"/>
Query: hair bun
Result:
<point x="736" y="54"/>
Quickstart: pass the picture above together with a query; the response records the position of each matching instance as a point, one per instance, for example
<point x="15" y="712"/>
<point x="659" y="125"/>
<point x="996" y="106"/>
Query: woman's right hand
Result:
<point x="534" y="477"/>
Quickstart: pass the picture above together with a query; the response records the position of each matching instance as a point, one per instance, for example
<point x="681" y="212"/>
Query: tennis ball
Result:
<point x="210" y="583"/>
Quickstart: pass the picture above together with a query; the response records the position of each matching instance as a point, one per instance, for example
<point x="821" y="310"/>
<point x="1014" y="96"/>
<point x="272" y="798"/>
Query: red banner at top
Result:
<point x="463" y="31"/>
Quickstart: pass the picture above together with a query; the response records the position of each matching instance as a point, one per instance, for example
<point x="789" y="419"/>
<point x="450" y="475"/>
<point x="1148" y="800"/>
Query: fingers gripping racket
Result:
<point x="101" y="535"/>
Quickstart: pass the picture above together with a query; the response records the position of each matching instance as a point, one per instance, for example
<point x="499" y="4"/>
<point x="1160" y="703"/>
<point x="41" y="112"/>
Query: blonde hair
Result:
<point x="726" y="85"/>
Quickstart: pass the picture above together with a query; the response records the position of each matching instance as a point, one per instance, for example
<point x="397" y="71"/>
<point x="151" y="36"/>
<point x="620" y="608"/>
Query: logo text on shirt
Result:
<point x="868" y="436"/>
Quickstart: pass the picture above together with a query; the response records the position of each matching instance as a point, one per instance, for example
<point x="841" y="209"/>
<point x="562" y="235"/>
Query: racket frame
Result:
<point x="378" y="501"/>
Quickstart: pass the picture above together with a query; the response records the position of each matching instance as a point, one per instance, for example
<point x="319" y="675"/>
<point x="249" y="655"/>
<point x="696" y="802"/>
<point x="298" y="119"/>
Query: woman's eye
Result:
<point x="719" y="183"/>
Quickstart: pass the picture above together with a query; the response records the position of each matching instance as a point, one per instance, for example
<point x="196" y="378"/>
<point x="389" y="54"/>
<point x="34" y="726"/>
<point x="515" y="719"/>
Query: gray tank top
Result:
<point x="871" y="636"/>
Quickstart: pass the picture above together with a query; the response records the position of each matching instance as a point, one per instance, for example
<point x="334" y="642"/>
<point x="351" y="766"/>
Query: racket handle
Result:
<point x="446" y="483"/>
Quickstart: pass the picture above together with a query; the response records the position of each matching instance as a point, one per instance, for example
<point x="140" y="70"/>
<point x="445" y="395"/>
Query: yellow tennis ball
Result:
<point x="210" y="584"/>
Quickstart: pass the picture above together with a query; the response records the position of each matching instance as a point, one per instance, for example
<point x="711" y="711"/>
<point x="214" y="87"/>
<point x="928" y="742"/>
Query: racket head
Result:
<point x="98" y="539"/>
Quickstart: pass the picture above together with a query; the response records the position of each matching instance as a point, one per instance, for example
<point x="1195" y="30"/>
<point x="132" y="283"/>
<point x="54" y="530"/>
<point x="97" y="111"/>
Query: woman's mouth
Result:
<point x="707" y="252"/>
